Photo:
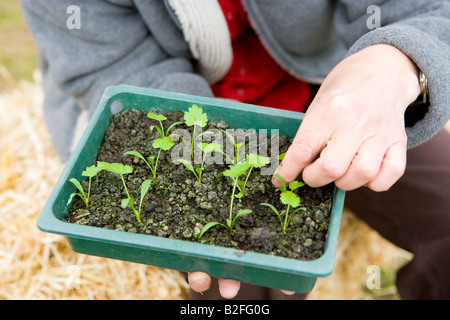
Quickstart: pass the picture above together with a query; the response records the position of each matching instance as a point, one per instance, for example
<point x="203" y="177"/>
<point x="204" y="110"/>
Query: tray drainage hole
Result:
<point x="116" y="107"/>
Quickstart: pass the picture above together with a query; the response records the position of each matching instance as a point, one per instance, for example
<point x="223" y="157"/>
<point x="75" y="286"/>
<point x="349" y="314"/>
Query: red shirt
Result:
<point x="254" y="77"/>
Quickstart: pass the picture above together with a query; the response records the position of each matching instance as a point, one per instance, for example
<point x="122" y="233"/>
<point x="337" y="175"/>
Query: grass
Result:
<point x="18" y="52"/>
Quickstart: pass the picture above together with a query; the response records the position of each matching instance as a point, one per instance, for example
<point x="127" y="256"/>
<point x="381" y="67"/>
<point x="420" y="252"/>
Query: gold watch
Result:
<point x="423" y="86"/>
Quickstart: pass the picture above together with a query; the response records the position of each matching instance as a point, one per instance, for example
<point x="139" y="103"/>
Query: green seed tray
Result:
<point x="249" y="267"/>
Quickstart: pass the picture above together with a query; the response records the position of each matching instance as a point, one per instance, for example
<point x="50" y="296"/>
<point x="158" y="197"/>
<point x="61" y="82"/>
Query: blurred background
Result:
<point x="17" y="52"/>
<point x="35" y="265"/>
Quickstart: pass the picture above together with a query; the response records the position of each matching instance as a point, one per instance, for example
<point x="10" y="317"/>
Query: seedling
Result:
<point x="254" y="161"/>
<point x="237" y="147"/>
<point x="206" y="148"/>
<point x="289" y="198"/>
<point x="251" y="161"/>
<point x="144" y="189"/>
<point x="120" y="169"/>
<point x="161" y="118"/>
<point x="234" y="173"/>
<point x="195" y="117"/>
<point x="89" y="172"/>
<point x="164" y="143"/>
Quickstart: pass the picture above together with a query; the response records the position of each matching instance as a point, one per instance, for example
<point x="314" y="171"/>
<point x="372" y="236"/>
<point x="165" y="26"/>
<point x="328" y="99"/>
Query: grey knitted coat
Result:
<point x="183" y="46"/>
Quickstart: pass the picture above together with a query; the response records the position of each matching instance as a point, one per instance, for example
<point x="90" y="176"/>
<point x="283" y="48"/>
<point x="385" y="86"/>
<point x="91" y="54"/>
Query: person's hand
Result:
<point x="353" y="132"/>
<point x="200" y="282"/>
<point x="356" y="125"/>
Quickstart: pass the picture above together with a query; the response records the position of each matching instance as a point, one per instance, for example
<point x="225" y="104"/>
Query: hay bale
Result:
<point x="36" y="265"/>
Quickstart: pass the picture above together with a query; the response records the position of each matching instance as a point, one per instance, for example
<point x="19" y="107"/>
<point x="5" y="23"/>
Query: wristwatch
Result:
<point x="423" y="86"/>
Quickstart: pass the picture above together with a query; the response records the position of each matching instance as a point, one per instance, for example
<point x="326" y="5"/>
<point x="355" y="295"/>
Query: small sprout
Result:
<point x="81" y="194"/>
<point x="144" y="189"/>
<point x="162" y="144"/>
<point x="255" y="161"/>
<point x="206" y="148"/>
<point x="161" y="118"/>
<point x="234" y="173"/>
<point x="90" y="172"/>
<point x="289" y="198"/>
<point x="120" y="169"/>
<point x="195" y="117"/>
<point x="130" y="200"/>
<point x="229" y="225"/>
<point x="237" y="147"/>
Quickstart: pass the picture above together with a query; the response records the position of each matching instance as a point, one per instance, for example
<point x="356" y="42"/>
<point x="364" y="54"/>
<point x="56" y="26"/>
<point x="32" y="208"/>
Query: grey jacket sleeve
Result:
<point x="113" y="42"/>
<point x="420" y="29"/>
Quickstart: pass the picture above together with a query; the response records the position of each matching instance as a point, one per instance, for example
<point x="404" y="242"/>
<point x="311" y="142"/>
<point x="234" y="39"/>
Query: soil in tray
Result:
<point x="178" y="206"/>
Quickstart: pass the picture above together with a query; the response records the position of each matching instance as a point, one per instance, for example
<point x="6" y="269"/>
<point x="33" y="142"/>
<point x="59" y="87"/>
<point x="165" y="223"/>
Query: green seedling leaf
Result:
<point x="290" y="216"/>
<point x="77" y="184"/>
<point x="295" y="185"/>
<point x="242" y="212"/>
<point x="171" y="126"/>
<point x="290" y="198"/>
<point x="91" y="171"/>
<point x="130" y="202"/>
<point x="75" y="194"/>
<point x="281" y="156"/>
<point x="210" y="147"/>
<point x="195" y="116"/>
<point x="144" y="188"/>
<point x="209" y="226"/>
<point x="203" y="133"/>
<point x="136" y="154"/>
<point x="163" y="143"/>
<point x="124" y="202"/>
<point x="158" y="117"/>
<point x="273" y="209"/>
<point x="257" y="161"/>
<point x="118" y="168"/>
<point x="236" y="170"/>
<point x="187" y="164"/>
<point x="219" y="175"/>
<point x="230" y="136"/>
<point x="283" y="184"/>
<point x="161" y="133"/>
<point x="298" y="209"/>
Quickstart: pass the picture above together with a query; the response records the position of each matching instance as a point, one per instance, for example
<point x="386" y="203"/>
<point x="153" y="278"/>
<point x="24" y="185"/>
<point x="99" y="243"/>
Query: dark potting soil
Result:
<point x="178" y="206"/>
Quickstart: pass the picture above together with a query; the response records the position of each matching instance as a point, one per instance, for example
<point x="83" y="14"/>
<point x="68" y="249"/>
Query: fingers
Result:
<point x="229" y="288"/>
<point x="392" y="168"/>
<point x="364" y="166"/>
<point x="288" y="293"/>
<point x="199" y="281"/>
<point x="373" y="165"/>
<point x="303" y="150"/>
<point x="334" y="160"/>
